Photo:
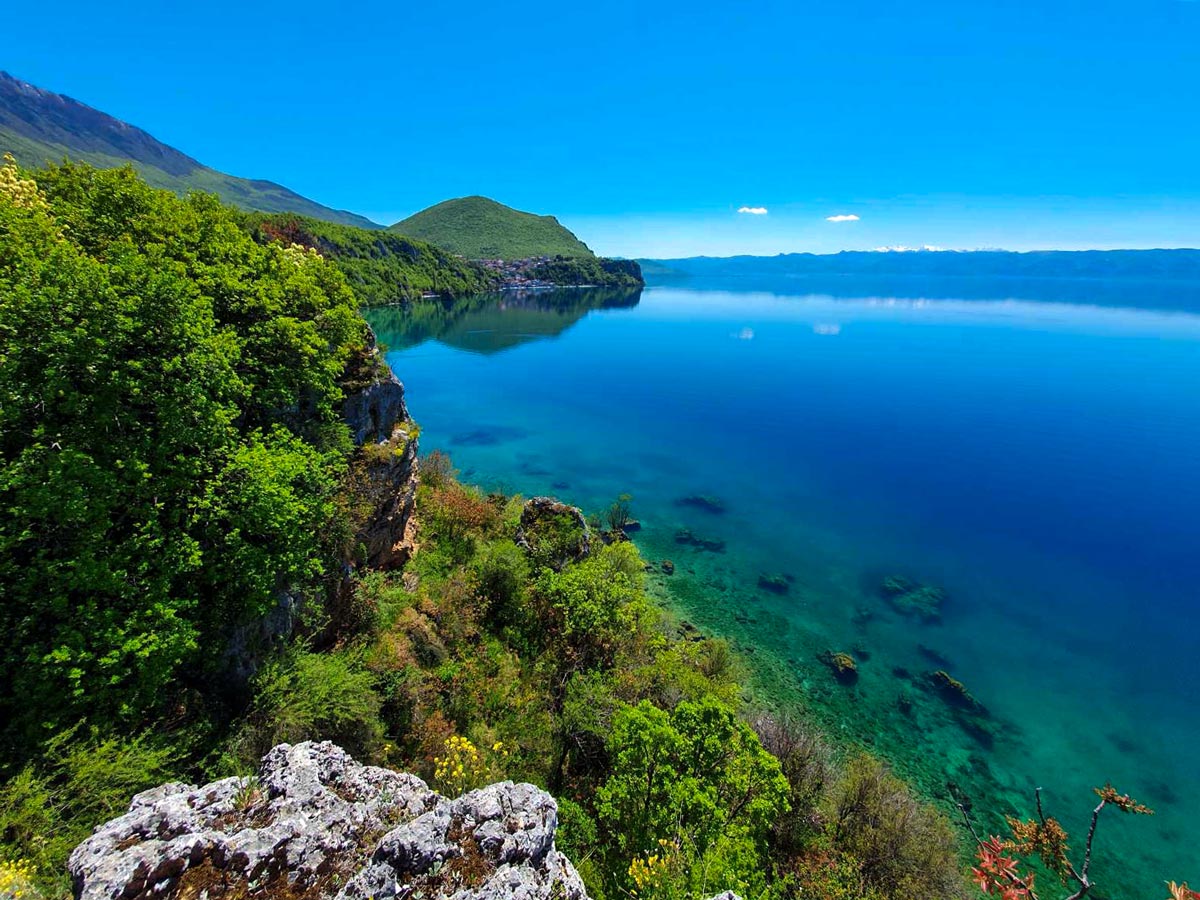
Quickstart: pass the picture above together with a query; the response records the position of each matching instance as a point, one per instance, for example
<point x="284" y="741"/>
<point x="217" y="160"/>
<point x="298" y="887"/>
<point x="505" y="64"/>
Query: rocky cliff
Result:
<point x="385" y="474"/>
<point x="316" y="824"/>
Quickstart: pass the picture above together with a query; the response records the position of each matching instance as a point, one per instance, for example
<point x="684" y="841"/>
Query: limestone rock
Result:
<point x="317" y="824"/>
<point x="386" y="474"/>
<point x="374" y="406"/>
<point x="497" y="842"/>
<point x="553" y="533"/>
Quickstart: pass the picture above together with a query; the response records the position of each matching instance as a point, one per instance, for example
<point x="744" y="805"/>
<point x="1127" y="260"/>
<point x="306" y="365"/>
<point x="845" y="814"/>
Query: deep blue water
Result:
<point x="1040" y="460"/>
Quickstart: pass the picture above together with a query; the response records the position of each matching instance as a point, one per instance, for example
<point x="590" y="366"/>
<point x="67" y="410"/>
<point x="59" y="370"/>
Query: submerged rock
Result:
<point x="706" y="502"/>
<point x="910" y="598"/>
<point x="971" y="715"/>
<point x="668" y="567"/>
<point x="776" y="584"/>
<point x="317" y="824"/>
<point x="688" y="538"/>
<point x="842" y="665"/>
<point x="553" y="533"/>
<point x="953" y="691"/>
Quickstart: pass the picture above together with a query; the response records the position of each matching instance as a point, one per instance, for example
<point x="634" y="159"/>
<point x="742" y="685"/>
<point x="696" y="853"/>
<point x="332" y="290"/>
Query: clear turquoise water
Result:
<point x="1040" y="460"/>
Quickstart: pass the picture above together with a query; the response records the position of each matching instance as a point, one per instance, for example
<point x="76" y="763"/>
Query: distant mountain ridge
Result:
<point x="39" y="126"/>
<point x="1175" y="265"/>
<point x="480" y="228"/>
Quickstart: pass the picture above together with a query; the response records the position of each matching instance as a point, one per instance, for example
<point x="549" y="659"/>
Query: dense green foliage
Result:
<point x="381" y="267"/>
<point x="39" y="127"/>
<point x="597" y="272"/>
<point x="170" y="441"/>
<point x="479" y="228"/>
<point x="571" y="677"/>
<point x="172" y="460"/>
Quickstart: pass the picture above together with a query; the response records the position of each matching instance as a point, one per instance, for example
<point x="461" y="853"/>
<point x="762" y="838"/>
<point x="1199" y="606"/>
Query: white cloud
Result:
<point x="849" y="218"/>
<point x="927" y="248"/>
<point x="754" y="210"/>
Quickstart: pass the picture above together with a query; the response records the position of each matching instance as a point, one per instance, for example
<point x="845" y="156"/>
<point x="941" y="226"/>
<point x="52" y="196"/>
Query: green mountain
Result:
<point x="382" y="268"/>
<point x="479" y="228"/>
<point x="39" y="126"/>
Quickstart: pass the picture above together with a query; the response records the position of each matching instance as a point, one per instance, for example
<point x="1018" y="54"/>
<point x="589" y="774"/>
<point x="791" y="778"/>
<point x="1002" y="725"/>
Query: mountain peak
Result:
<point x="479" y="227"/>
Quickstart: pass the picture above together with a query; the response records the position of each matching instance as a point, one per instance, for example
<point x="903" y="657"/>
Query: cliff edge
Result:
<point x="316" y="824"/>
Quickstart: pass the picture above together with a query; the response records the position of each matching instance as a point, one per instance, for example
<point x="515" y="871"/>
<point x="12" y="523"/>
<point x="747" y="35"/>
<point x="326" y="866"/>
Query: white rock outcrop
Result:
<point x="317" y="824"/>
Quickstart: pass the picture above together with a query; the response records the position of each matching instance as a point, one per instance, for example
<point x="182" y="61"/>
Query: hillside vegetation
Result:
<point x="172" y="459"/>
<point x="381" y="267"/>
<point x="479" y="228"/>
<point x="596" y="272"/>
<point x="39" y="126"/>
<point x="175" y="472"/>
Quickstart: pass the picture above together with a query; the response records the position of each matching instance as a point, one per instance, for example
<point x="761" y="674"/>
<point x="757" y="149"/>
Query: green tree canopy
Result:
<point x="170" y="437"/>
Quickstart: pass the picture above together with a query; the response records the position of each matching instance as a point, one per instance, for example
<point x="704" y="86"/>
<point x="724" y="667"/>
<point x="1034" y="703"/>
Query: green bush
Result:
<point x="302" y="696"/>
<point x="82" y="780"/>
<point x="906" y="850"/>
<point x="590" y="603"/>
<point x="696" y="778"/>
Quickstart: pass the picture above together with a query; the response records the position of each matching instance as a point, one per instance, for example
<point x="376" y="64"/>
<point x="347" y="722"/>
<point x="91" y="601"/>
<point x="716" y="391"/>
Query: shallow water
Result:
<point x="1036" y="459"/>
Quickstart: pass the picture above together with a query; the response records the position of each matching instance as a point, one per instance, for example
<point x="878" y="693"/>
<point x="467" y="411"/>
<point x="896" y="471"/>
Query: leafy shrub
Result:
<point x="303" y="696"/>
<point x="696" y="777"/>
<point x="906" y="850"/>
<point x="84" y="779"/>
<point x="588" y="602"/>
<point x="170" y="440"/>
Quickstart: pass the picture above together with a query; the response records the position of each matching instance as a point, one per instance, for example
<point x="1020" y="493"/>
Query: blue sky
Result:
<point x="646" y="126"/>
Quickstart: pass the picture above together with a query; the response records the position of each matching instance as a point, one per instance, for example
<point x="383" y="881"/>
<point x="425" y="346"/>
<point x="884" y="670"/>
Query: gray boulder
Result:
<point x="317" y="824"/>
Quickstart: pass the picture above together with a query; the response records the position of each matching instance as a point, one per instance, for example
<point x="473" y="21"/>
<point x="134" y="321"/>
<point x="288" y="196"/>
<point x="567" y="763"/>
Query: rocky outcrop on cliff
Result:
<point x="375" y="411"/>
<point x="553" y="533"/>
<point x="385" y="474"/>
<point x="316" y="824"/>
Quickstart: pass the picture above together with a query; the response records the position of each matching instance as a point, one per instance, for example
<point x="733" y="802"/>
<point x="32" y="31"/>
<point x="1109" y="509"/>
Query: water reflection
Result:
<point x="1178" y="296"/>
<point x="493" y="323"/>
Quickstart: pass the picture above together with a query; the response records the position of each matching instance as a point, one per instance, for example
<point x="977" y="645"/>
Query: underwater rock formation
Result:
<point x="776" y="584"/>
<point x="842" y="665"/>
<point x="910" y="598"/>
<point x="688" y="538"/>
<point x="706" y="502"/>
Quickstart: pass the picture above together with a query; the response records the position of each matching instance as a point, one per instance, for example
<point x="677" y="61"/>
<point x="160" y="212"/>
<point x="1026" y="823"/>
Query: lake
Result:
<point x="1017" y="462"/>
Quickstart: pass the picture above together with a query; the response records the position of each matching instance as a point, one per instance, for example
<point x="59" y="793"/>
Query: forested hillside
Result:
<point x="381" y="267"/>
<point x="481" y="228"/>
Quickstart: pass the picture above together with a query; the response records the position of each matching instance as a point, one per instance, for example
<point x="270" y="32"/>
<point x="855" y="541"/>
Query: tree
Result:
<point x="170" y="440"/>
<point x="695" y="783"/>
<point x="1000" y="871"/>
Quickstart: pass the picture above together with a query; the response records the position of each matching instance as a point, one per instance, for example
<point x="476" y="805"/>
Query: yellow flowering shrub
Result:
<point x="463" y="767"/>
<point x="22" y="192"/>
<point x="16" y="878"/>
<point x="460" y="769"/>
<point x="650" y="872"/>
<point x="299" y="255"/>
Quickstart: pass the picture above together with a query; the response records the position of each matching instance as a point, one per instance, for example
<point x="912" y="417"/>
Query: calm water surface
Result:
<point x="1035" y="459"/>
